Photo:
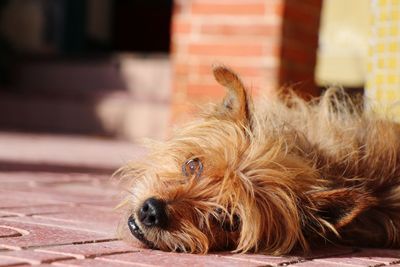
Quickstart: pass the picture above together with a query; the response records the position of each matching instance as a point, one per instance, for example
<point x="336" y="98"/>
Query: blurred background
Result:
<point x="128" y="69"/>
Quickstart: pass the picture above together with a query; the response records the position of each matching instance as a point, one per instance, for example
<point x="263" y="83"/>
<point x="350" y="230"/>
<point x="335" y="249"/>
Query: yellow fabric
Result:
<point x="383" y="79"/>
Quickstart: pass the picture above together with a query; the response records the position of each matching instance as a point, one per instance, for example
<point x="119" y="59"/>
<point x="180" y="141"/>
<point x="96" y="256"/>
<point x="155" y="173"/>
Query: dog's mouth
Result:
<point x="138" y="233"/>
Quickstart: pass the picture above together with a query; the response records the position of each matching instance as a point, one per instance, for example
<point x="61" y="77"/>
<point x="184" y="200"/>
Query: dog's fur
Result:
<point x="284" y="175"/>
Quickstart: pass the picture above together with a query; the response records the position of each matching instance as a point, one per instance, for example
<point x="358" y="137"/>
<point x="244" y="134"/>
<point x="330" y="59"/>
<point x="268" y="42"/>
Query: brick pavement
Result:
<point x="56" y="209"/>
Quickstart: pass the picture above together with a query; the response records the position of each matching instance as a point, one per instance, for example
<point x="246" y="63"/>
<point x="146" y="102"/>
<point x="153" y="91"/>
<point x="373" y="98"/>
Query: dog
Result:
<point x="281" y="176"/>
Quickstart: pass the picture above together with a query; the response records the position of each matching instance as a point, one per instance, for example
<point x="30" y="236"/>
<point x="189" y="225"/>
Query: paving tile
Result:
<point x="81" y="251"/>
<point x="349" y="261"/>
<point x="6" y="231"/>
<point x="95" y="188"/>
<point x="102" y="203"/>
<point x="67" y="219"/>
<point x="75" y="216"/>
<point x="91" y="227"/>
<point x="66" y="150"/>
<point x="99" y="204"/>
<point x="158" y="258"/>
<point x="4" y="261"/>
<point x="5" y="214"/>
<point x="315" y="263"/>
<point x="52" y="210"/>
<point x="287" y="260"/>
<point x="33" y="257"/>
<point x="11" y="199"/>
<point x="45" y="235"/>
<point x="329" y="251"/>
<point x="13" y="180"/>
<point x="48" y="197"/>
<point x="103" y="218"/>
<point x="365" y="257"/>
<point x="95" y="262"/>
<point x="35" y="210"/>
<point x="261" y="259"/>
<point x="386" y="256"/>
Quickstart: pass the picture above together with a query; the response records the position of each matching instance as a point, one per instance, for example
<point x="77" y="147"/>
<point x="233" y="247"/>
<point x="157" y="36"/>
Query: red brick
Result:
<point x="104" y="219"/>
<point x="210" y="8"/>
<point x="33" y="257"/>
<point x="182" y="113"/>
<point x="342" y="261"/>
<point x="234" y="50"/>
<point x="91" y="250"/>
<point x="288" y="260"/>
<point x="158" y="258"/>
<point x="386" y="256"/>
<point x="6" y="231"/>
<point x="4" y="261"/>
<point x="69" y="193"/>
<point x="106" y="227"/>
<point x="11" y="199"/>
<point x="181" y="27"/>
<point x="320" y="264"/>
<point x="245" y="71"/>
<point x="210" y="91"/>
<point x="262" y="259"/>
<point x="287" y="24"/>
<point x="86" y="217"/>
<point x="16" y="180"/>
<point x="241" y="30"/>
<point x="47" y="178"/>
<point x="181" y="69"/>
<point x="36" y="210"/>
<point x="41" y="235"/>
<point x="92" y="262"/>
<point x="344" y="257"/>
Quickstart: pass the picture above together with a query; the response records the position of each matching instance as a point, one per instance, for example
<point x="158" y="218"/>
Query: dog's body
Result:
<point x="285" y="175"/>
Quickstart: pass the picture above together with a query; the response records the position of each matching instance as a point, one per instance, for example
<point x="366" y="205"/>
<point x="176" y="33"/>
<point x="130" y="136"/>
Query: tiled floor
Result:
<point x="56" y="209"/>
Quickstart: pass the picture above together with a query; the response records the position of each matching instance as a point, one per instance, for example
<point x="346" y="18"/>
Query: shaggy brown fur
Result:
<point x="273" y="178"/>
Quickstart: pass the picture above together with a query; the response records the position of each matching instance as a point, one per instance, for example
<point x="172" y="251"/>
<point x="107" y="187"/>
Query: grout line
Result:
<point x="71" y="243"/>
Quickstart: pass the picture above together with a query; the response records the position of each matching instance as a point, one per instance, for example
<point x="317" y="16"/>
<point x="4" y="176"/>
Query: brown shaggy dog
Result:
<point x="272" y="178"/>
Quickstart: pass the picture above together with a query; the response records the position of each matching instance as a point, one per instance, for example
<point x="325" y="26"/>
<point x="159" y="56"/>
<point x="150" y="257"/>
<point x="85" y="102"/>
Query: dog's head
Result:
<point x="221" y="182"/>
<point x="216" y="184"/>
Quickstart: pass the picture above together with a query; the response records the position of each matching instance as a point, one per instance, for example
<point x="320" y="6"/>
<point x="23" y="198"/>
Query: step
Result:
<point x="125" y="96"/>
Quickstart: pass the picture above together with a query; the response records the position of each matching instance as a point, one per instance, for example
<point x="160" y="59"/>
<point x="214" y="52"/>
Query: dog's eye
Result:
<point x="192" y="167"/>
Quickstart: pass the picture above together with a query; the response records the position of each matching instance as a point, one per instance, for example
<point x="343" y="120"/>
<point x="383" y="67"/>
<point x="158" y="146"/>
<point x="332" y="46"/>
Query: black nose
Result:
<point x="153" y="214"/>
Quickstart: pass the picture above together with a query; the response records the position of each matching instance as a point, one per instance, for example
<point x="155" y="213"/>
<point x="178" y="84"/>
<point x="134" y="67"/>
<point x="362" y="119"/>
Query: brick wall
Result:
<point x="269" y="42"/>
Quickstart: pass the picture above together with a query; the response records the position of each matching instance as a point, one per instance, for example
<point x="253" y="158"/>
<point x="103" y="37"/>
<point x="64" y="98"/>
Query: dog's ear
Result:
<point x="341" y="206"/>
<point x="236" y="102"/>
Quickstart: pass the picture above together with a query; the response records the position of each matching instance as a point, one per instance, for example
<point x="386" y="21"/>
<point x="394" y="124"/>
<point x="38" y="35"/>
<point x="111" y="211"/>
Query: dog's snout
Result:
<point x="153" y="213"/>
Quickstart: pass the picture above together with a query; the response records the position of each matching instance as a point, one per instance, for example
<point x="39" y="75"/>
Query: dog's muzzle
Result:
<point x="138" y="233"/>
<point x="152" y="214"/>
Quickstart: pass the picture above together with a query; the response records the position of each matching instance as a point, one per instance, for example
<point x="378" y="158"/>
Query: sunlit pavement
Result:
<point x="57" y="209"/>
